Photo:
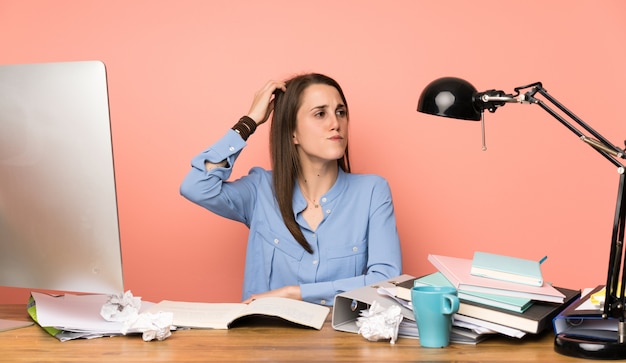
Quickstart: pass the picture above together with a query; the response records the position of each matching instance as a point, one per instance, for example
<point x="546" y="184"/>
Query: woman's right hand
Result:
<point x="263" y="103"/>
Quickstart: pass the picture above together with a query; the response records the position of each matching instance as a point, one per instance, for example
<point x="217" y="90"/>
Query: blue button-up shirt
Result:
<point x="356" y="244"/>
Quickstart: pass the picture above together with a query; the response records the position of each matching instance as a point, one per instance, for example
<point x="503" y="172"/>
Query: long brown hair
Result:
<point x="284" y="156"/>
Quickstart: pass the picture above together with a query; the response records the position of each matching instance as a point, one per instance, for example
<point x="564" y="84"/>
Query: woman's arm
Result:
<point x="291" y="292"/>
<point x="260" y="110"/>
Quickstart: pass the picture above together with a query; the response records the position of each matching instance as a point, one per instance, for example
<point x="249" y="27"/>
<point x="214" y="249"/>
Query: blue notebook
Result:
<point x="516" y="304"/>
<point x="507" y="268"/>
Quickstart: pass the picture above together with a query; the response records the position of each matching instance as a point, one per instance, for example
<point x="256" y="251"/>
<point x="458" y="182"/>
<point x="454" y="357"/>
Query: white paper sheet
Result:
<point x="79" y="313"/>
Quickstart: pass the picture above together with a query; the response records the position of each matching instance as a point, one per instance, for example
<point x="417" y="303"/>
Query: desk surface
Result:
<point x="259" y="342"/>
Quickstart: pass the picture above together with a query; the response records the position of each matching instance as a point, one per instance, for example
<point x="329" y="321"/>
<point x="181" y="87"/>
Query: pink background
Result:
<point x="182" y="72"/>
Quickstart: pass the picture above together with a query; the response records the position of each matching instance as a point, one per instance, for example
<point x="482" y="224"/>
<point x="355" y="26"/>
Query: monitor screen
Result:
<point x="58" y="209"/>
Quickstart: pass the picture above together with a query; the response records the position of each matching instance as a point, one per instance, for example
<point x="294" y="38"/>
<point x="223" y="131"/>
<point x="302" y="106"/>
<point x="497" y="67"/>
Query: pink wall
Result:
<point x="182" y="72"/>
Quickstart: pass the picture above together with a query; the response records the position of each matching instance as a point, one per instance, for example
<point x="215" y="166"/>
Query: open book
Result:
<point x="223" y="315"/>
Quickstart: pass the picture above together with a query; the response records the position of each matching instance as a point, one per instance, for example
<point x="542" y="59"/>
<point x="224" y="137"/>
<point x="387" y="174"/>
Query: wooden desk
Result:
<point x="259" y="342"/>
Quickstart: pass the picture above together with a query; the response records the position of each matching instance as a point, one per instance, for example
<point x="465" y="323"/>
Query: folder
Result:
<point x="348" y="305"/>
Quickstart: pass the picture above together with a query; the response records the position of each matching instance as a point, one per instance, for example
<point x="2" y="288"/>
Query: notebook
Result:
<point x="507" y="268"/>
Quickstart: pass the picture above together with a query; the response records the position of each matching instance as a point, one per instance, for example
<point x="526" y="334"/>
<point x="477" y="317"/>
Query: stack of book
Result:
<point x="498" y="302"/>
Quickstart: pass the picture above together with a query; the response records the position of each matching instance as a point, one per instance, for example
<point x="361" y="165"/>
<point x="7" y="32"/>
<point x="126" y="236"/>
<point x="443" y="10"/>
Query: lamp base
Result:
<point x="588" y="347"/>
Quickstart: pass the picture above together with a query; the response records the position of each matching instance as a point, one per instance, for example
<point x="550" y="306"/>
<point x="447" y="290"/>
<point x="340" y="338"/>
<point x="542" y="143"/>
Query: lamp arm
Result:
<point x="605" y="149"/>
<point x="492" y="99"/>
<point x="614" y="303"/>
<point x="614" y="299"/>
<point x="601" y="144"/>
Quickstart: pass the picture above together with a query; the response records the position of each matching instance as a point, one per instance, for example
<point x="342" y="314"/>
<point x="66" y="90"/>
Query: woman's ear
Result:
<point x="294" y="139"/>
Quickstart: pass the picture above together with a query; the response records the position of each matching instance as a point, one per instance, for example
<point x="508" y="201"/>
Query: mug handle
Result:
<point x="451" y="304"/>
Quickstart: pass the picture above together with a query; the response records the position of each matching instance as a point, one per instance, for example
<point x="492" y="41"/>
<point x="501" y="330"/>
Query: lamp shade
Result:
<point x="450" y="97"/>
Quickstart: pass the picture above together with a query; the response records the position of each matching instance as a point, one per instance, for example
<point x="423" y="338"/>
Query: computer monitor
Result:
<point x="58" y="210"/>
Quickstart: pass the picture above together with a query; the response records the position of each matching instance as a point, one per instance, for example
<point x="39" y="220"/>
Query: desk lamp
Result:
<point x="456" y="98"/>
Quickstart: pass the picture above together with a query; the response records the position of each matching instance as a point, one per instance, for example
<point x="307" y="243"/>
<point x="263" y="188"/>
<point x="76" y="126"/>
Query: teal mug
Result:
<point x="433" y="307"/>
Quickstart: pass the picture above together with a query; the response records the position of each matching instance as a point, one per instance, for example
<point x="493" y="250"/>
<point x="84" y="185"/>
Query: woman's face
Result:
<point x="321" y="132"/>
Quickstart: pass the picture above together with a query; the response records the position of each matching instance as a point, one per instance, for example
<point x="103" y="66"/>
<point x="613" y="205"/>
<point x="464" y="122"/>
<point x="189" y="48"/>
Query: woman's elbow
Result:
<point x="186" y="189"/>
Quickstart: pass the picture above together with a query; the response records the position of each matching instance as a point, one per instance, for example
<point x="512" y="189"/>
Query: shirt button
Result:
<point x="323" y="302"/>
<point x="231" y="148"/>
<point x="313" y="235"/>
<point x="354" y="249"/>
<point x="327" y="211"/>
<point x="323" y="200"/>
<point x="315" y="262"/>
<point x="276" y="241"/>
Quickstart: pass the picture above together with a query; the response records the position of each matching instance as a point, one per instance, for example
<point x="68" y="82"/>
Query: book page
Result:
<point x="296" y="311"/>
<point x="201" y="315"/>
<point x="220" y="315"/>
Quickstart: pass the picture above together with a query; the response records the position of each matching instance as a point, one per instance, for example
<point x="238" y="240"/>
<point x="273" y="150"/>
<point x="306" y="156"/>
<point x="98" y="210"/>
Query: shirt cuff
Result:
<point x="322" y="293"/>
<point x="225" y="148"/>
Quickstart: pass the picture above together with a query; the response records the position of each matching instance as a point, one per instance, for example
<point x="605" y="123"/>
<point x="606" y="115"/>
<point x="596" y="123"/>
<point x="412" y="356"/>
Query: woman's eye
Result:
<point x="320" y="114"/>
<point x="341" y="113"/>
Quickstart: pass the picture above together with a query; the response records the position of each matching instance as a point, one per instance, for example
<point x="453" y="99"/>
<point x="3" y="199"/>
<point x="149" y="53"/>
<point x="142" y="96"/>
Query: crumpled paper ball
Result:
<point x="152" y="326"/>
<point x="125" y="308"/>
<point x="121" y="307"/>
<point x="379" y="323"/>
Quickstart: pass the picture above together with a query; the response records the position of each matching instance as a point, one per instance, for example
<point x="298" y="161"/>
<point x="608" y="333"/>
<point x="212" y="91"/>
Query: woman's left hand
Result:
<point x="291" y="292"/>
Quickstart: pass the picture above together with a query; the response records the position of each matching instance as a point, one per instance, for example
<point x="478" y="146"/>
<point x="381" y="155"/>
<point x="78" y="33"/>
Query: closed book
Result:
<point x="507" y="268"/>
<point x="534" y="320"/>
<point x="457" y="271"/>
<point x="517" y="304"/>
<point x="583" y="319"/>
<point x="491" y="326"/>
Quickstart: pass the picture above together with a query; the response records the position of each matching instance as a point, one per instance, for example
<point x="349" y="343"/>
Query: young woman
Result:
<point x="316" y="230"/>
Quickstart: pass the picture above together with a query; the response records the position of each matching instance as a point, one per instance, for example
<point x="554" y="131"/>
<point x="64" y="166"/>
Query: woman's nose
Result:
<point x="334" y="122"/>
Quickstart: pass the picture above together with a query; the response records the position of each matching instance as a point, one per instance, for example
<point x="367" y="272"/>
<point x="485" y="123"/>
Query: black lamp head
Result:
<point x="450" y="97"/>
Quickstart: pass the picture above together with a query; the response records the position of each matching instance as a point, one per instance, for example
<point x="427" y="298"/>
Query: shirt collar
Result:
<point x="300" y="203"/>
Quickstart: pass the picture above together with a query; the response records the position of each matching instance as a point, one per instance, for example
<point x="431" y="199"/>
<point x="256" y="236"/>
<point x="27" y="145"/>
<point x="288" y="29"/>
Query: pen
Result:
<point x="543" y="259"/>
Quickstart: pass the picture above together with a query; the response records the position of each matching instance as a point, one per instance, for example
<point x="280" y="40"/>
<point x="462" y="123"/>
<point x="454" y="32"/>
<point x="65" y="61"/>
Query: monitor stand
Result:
<point x="14" y="316"/>
<point x="13" y="324"/>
